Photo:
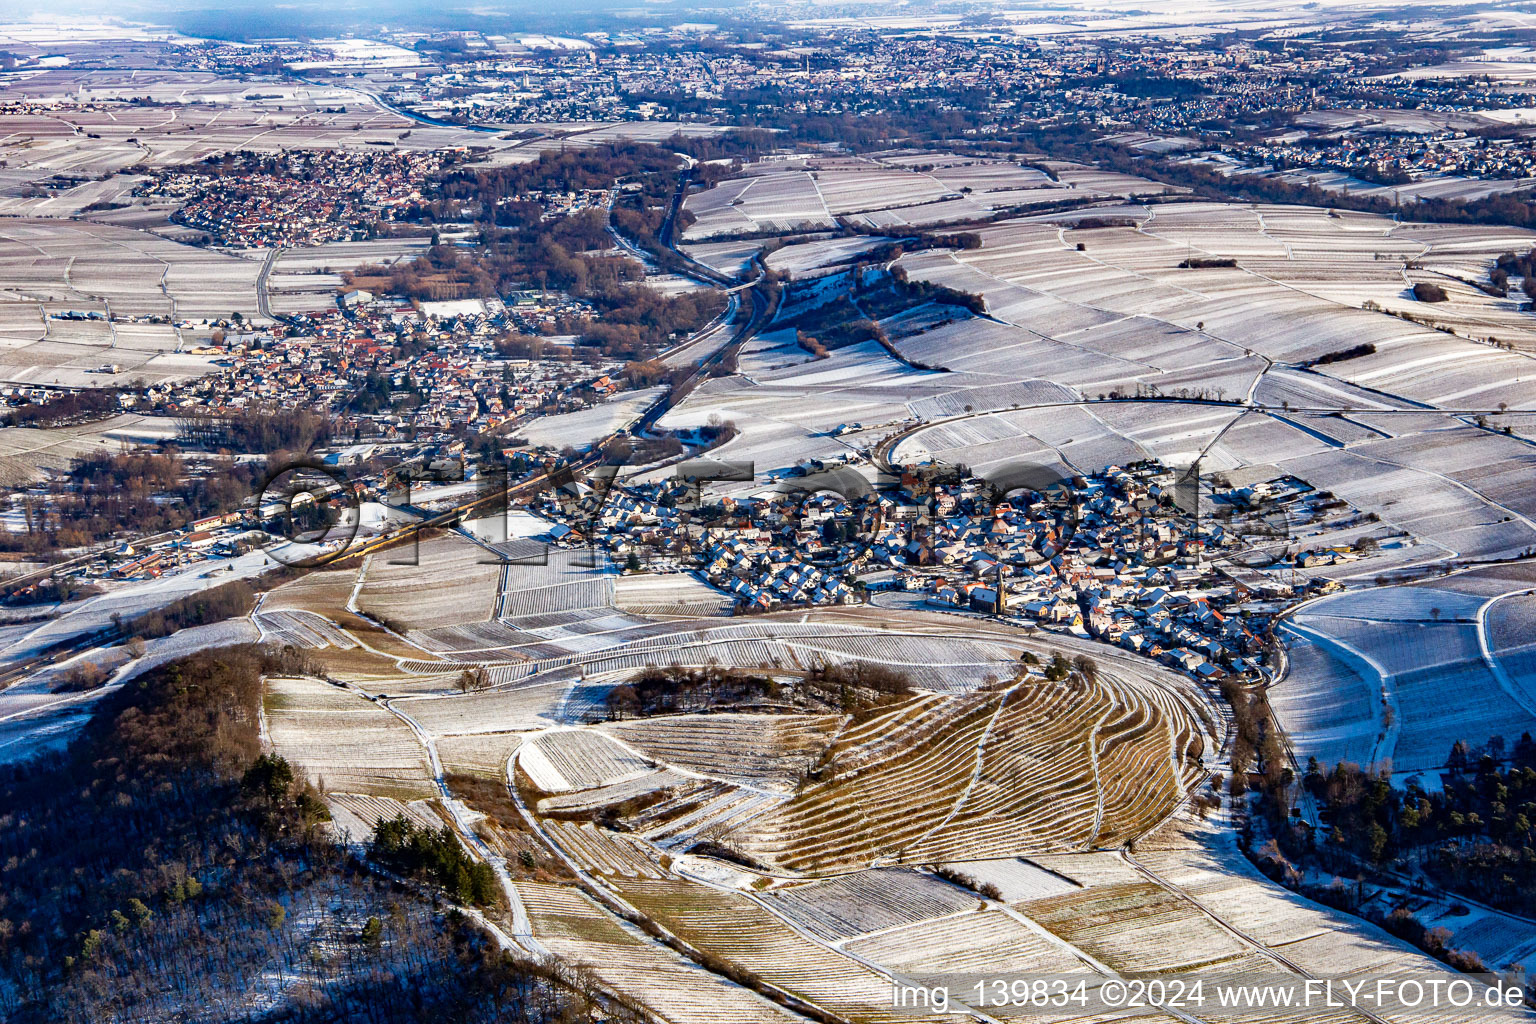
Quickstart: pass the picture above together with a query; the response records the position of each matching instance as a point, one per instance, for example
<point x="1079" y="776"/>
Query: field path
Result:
<point x="1516" y="693"/>
<point x="1098" y="788"/>
<point x="522" y="928"/>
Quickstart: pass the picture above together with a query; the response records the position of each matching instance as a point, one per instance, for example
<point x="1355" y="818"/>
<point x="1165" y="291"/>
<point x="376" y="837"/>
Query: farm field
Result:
<point x="1185" y="901"/>
<point x="763" y="944"/>
<point x="570" y="925"/>
<point x="483" y="754"/>
<point x="980" y="819"/>
<point x="771" y="350"/>
<point x="983" y="759"/>
<point x="28" y="453"/>
<point x="1450" y="658"/>
<point x="82" y="264"/>
<point x="494" y="712"/>
<point x="727" y="257"/>
<point x="677" y="594"/>
<point x="589" y="425"/>
<point x="805" y="257"/>
<point x="856" y="926"/>
<point x="447" y="580"/>
<point x="984" y="943"/>
<point x="1194" y="859"/>
<point x="322" y="591"/>
<point x="806" y="194"/>
<point x="353" y="817"/>
<point x="559" y="581"/>
<point x="869" y="901"/>
<point x="770" y="751"/>
<point x="301" y="629"/>
<point x="641" y="786"/>
<point x="49" y="268"/>
<point x="94" y="614"/>
<point x="932" y="661"/>
<point x="355" y="648"/>
<point x="344" y="743"/>
<point x="558" y="665"/>
<point x="557" y="762"/>
<point x="1513" y="642"/>
<point x="970" y="777"/>
<point x="308" y="279"/>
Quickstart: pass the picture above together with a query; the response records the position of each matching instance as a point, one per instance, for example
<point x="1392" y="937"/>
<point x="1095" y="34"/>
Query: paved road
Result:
<point x="263" y="304"/>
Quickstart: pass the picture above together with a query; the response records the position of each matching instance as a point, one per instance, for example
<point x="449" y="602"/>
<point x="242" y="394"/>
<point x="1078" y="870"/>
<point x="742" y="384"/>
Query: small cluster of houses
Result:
<point x="764" y="579"/>
<point x="215" y="536"/>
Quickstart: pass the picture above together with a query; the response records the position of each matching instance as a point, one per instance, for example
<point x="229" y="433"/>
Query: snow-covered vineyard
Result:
<point x="1099" y="348"/>
<point x="888" y="194"/>
<point x="1403" y="673"/>
<point x="981" y="824"/>
<point x="823" y="799"/>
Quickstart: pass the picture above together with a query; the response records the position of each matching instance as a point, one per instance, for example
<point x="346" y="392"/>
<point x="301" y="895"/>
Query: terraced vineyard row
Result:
<point x="868" y="901"/>
<point x="1170" y="933"/>
<point x="707" y="812"/>
<point x="857" y="816"/>
<point x="1041" y="767"/>
<point x="588" y="800"/>
<point x="557" y="762"/>
<point x="559" y="597"/>
<point x="498" y="673"/>
<point x="985" y="941"/>
<point x="355" y="816"/>
<point x="603" y="852"/>
<point x="445" y="581"/>
<point x="763" y="749"/>
<point x="1035" y="787"/>
<point x="523" y="707"/>
<point x="302" y="629"/>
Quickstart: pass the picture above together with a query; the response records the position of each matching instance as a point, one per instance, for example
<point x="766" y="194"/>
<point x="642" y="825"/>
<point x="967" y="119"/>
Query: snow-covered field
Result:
<point x="669" y="594"/>
<point x="1450" y="659"/>
<point x="799" y="194"/>
<point x="441" y="581"/>
<point x="343" y="742"/>
<point x="558" y="762"/>
<point x="767" y="751"/>
<point x="581" y="429"/>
